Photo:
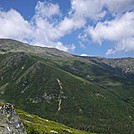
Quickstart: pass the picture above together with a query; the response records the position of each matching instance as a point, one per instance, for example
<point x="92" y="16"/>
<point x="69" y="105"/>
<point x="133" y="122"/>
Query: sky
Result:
<point x="82" y="27"/>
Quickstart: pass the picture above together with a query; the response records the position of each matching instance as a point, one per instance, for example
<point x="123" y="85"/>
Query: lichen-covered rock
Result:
<point x="9" y="121"/>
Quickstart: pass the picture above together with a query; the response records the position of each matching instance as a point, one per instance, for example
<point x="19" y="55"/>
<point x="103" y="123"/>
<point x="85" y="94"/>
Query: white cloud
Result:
<point x="14" y="26"/>
<point x="38" y="31"/>
<point x="69" y="24"/>
<point x="115" y="30"/>
<point x="80" y="11"/>
<point x="124" y="45"/>
<point x="58" y="45"/>
<point x="121" y="30"/>
<point x="45" y="9"/>
<point x="119" y="6"/>
<point x="88" y="9"/>
<point x="110" y="52"/>
<point x="94" y="9"/>
<point x="83" y="55"/>
<point x="47" y="27"/>
<point x="44" y="30"/>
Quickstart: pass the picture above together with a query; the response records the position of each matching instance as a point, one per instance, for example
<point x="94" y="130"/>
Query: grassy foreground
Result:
<point x="37" y="125"/>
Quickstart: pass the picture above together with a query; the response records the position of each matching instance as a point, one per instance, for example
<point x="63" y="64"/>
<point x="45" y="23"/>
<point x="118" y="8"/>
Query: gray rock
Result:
<point x="9" y="121"/>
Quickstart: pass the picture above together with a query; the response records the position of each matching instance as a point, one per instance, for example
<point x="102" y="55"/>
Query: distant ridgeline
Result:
<point x="9" y="121"/>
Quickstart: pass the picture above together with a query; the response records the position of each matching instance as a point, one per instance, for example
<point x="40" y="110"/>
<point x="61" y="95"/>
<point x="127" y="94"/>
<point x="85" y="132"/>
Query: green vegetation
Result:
<point x="37" y="125"/>
<point x="95" y="96"/>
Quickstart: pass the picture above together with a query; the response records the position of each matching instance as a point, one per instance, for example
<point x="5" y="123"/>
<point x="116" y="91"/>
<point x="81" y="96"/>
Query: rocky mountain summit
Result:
<point x="9" y="121"/>
<point x="9" y="45"/>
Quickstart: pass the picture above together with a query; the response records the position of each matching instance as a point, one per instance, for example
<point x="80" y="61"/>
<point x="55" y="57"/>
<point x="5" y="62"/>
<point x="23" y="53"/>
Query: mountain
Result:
<point x="88" y="93"/>
<point x="8" y="45"/>
<point x="122" y="66"/>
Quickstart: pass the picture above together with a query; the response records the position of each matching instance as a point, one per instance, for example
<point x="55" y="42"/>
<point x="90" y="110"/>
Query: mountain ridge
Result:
<point x="9" y="45"/>
<point x="120" y="65"/>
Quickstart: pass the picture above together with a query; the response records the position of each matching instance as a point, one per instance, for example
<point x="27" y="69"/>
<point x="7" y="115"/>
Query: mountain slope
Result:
<point x="32" y="123"/>
<point x="9" y="45"/>
<point x="74" y="91"/>
<point x="37" y="125"/>
<point x="121" y="66"/>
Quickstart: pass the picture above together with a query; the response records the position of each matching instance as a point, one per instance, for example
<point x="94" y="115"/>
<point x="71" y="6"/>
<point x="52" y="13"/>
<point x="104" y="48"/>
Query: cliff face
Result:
<point x="9" y="121"/>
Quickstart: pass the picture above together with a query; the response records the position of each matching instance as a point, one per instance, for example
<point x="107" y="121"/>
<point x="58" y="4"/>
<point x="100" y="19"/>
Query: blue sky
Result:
<point x="82" y="27"/>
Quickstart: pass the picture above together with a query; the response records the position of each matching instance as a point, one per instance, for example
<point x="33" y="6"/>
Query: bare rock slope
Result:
<point x="9" y="121"/>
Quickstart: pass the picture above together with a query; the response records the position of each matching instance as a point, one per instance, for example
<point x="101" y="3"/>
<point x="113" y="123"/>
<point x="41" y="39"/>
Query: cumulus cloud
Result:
<point x="124" y="45"/>
<point x="69" y="24"/>
<point x="119" y="6"/>
<point x="58" y="45"/>
<point x="120" y="30"/>
<point x="47" y="27"/>
<point x="79" y="13"/>
<point x="88" y="9"/>
<point x="45" y="9"/>
<point x="117" y="29"/>
<point x="14" y="26"/>
<point x="83" y="55"/>
<point x="40" y="30"/>
<point x="82" y="10"/>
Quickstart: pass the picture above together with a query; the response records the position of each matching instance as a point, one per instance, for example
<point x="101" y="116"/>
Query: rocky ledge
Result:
<point x="10" y="122"/>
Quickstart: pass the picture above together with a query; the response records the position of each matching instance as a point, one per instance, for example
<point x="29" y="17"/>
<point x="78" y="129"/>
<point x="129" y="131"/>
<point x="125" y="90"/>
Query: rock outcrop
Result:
<point x="9" y="121"/>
